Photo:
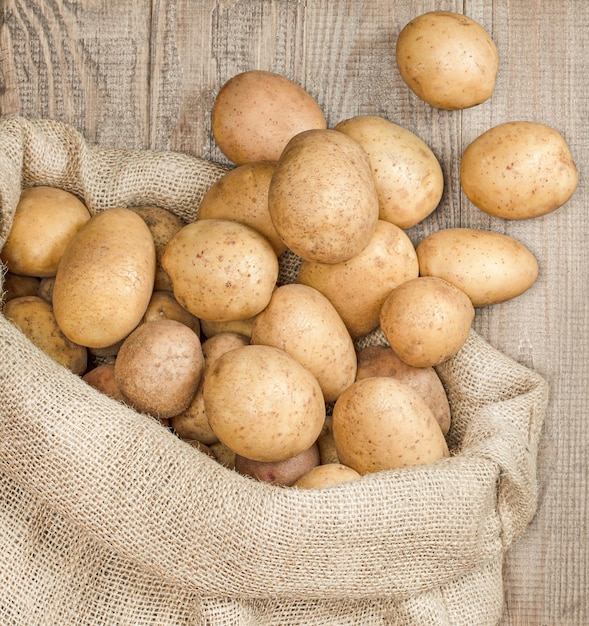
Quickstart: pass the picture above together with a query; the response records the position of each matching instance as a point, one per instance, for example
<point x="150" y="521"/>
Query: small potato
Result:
<point x="242" y="195"/>
<point x="303" y="322"/>
<point x="326" y="443"/>
<point x="518" y="170"/>
<point x="382" y="361"/>
<point x="221" y="270"/>
<point x="164" y="306"/>
<point x="215" y="346"/>
<point x="15" y="286"/>
<point x="426" y="320"/>
<point x="35" y="317"/>
<point x="358" y="287"/>
<point x="408" y="176"/>
<point x="45" y="221"/>
<point x="241" y="327"/>
<point x="103" y="378"/>
<point x="45" y="290"/>
<point x="257" y="112"/>
<point x="158" y="367"/>
<point x="322" y="197"/>
<point x="223" y="454"/>
<point x="380" y="423"/>
<point x="448" y="60"/>
<point x="489" y="267"/>
<point x="328" y="475"/>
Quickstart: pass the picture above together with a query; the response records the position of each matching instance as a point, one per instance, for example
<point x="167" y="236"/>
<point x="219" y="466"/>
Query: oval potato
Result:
<point x="164" y="306"/>
<point x="328" y="475"/>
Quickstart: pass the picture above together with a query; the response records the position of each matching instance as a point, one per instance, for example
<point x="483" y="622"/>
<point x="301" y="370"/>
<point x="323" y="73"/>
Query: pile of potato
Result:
<point x="194" y="323"/>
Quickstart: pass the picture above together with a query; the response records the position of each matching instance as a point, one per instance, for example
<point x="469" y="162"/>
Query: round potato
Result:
<point x="518" y="170"/>
<point x="322" y="197"/>
<point x="448" y="60"/>
<point x="489" y="267"/>
<point x="105" y="279"/>
<point x="244" y="394"/>
<point x="102" y="378"/>
<point x="45" y="221"/>
<point x="303" y="322"/>
<point x="224" y="455"/>
<point x="408" y="176"/>
<point x="426" y="320"/>
<point x="328" y="475"/>
<point x="358" y="287"/>
<point x="164" y="306"/>
<point x="221" y="270"/>
<point x="257" y="112"/>
<point x="240" y="327"/>
<point x="380" y="423"/>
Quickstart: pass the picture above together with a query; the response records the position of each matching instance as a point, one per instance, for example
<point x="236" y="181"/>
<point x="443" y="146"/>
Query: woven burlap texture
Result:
<point x="107" y="518"/>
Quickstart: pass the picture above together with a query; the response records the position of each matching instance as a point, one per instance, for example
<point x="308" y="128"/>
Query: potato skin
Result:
<point x="103" y="379"/>
<point x="163" y="305"/>
<point x="327" y="475"/>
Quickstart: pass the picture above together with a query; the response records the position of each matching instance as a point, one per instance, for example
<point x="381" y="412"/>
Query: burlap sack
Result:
<point x="107" y="518"/>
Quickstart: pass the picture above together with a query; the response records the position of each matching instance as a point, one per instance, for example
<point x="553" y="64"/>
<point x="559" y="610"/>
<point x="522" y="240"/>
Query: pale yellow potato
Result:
<point x="380" y="423"/>
<point x="408" y="176"/>
<point x="326" y="443"/>
<point x="426" y="320"/>
<point x="105" y="279"/>
<point x="35" y="317"/>
<point x="223" y="454"/>
<point x="328" y="475"/>
<point x="102" y="378"/>
<point x="242" y="195"/>
<point x="447" y="59"/>
<point x="518" y="170"/>
<point x="15" y="286"/>
<point x="322" y="197"/>
<point x="245" y="392"/>
<point x="218" y="344"/>
<point x="241" y="327"/>
<point x="221" y="270"/>
<point x="358" y="287"/>
<point x="488" y="266"/>
<point x="45" y="221"/>
<point x="302" y="321"/>
<point x="257" y="112"/>
<point x="164" y="306"/>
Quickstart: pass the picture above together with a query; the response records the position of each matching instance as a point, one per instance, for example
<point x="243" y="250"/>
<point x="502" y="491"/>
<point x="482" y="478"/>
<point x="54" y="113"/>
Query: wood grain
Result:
<point x="140" y="73"/>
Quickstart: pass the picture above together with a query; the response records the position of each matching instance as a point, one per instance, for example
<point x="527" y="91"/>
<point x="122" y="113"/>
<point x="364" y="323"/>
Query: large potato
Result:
<point x="257" y="112"/>
<point x="221" y="270"/>
<point x="303" y="322"/>
<point x="489" y="267"/>
<point x="322" y="197"/>
<point x="518" y="170"/>
<point x="408" y="176"/>
<point x="45" y="221"/>
<point x="448" y="60"/>
<point x="358" y="287"/>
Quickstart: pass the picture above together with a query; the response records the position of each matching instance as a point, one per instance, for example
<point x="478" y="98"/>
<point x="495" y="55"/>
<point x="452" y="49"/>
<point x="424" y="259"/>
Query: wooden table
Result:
<point x="139" y="74"/>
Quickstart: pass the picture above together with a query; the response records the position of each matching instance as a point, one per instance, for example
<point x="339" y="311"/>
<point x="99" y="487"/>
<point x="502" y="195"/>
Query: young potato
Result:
<point x="158" y="367"/>
<point x="426" y="320"/>
<point x="408" y="176"/>
<point x="358" y="287"/>
<point x="105" y="279"/>
<point x="380" y="423"/>
<point x="45" y="290"/>
<point x="240" y="327"/>
<point x="303" y="322"/>
<point x="448" y="60"/>
<point x="382" y="361"/>
<point x="222" y="270"/>
<point x="489" y="267"/>
<point x="518" y="170"/>
<point x="244" y="394"/>
<point x="322" y="197"/>
<point x="328" y="475"/>
<point x="45" y="221"/>
<point x="35" y="317"/>
<point x="223" y="454"/>
<point x="164" y="306"/>
<point x="242" y="195"/>
<point x="326" y="443"/>
<point x="257" y="112"/>
<point x="15" y="286"/>
<point x="102" y="377"/>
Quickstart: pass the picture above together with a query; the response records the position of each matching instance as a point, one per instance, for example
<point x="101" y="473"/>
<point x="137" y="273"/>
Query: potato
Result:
<point x="426" y="320"/>
<point x="215" y="346"/>
<point x="164" y="306"/>
<point x="15" y="286"/>
<point x="489" y="267"/>
<point x="221" y="270"/>
<point x="408" y="176"/>
<point x="380" y="423"/>
<point x="257" y="112"/>
<point x="35" y="317"/>
<point x="241" y="327"/>
<point x="303" y="322"/>
<point x="448" y="60"/>
<point x="382" y="361"/>
<point x="158" y="367"/>
<point x="105" y="279"/>
<point x="45" y="289"/>
<point x="45" y="221"/>
<point x="358" y="287"/>
<point x="102" y="378"/>
<point x="282" y="473"/>
<point x="242" y="195"/>
<point x="244" y="394"/>
<point x="163" y="225"/>
<point x="326" y="443"/>
<point x="328" y="475"/>
<point x="518" y="170"/>
<point x="223" y="454"/>
<point x="322" y="197"/>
